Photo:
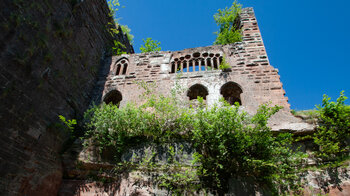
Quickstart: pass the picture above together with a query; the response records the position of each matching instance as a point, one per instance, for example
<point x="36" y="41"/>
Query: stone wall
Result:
<point x="85" y="173"/>
<point x="51" y="54"/>
<point x="252" y="77"/>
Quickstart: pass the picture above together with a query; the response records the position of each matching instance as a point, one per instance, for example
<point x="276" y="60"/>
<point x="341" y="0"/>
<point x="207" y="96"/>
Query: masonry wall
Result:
<point x="251" y="70"/>
<point x="51" y="53"/>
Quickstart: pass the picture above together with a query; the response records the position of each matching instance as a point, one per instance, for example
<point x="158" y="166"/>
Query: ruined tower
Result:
<point x="251" y="81"/>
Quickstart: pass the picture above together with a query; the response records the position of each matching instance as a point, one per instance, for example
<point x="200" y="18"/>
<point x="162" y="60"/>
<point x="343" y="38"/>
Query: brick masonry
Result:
<point x="252" y="73"/>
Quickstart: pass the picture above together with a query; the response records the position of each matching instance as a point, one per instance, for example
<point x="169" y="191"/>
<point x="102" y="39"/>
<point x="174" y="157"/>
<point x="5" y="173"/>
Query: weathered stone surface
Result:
<point x="253" y="80"/>
<point x="50" y="56"/>
<point x="333" y="182"/>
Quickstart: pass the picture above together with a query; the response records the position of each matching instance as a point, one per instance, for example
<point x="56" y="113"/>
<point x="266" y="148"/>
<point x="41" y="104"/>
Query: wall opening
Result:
<point x="209" y="64"/>
<point x="190" y="66"/>
<point x="122" y="66"/>
<point x="215" y="60"/>
<point x="231" y="93"/>
<point x="118" y="69"/>
<point x="197" y="65"/>
<point x="196" y="62"/>
<point x="185" y="67"/>
<point x="125" y="68"/>
<point x="197" y="90"/>
<point x="113" y="97"/>
<point x="173" y="69"/>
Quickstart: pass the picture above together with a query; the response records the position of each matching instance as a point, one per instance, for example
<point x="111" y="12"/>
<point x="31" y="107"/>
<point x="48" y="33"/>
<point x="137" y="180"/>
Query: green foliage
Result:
<point x="150" y="45"/>
<point x="112" y="27"/>
<point x="158" y="120"/>
<point x="309" y="116"/>
<point x="177" y="178"/>
<point x="333" y="134"/>
<point x="229" y="142"/>
<point x="224" y="65"/>
<point x="228" y="21"/>
<point x="118" y="48"/>
<point x="127" y="31"/>
<point x="70" y="124"/>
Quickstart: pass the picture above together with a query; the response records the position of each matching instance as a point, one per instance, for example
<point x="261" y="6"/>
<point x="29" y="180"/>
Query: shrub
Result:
<point x="229" y="25"/>
<point x="224" y="64"/>
<point x="334" y="130"/>
<point x="229" y="143"/>
<point x="150" y="45"/>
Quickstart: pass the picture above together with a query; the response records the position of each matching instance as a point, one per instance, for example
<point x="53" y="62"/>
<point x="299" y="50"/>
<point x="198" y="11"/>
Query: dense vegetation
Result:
<point x="118" y="48"/>
<point x="228" y="142"/>
<point x="332" y="137"/>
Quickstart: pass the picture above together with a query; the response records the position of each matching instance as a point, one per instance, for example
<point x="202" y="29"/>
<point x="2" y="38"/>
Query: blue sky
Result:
<point x="307" y="40"/>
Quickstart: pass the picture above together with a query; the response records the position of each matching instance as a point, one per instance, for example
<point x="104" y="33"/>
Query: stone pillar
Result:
<point x="206" y="64"/>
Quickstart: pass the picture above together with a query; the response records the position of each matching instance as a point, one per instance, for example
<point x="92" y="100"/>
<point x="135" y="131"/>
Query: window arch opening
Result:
<point x="125" y="68"/>
<point x="121" y="66"/>
<point x="118" y="69"/>
<point x="113" y="97"/>
<point x="215" y="61"/>
<point x="190" y="66"/>
<point x="196" y="91"/>
<point x="173" y="67"/>
<point x="209" y="67"/>
<point x="231" y="93"/>
<point x="185" y="66"/>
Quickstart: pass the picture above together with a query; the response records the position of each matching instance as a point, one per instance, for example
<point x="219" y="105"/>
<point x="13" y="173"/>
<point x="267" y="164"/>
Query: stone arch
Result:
<point x="114" y="97"/>
<point x="195" y="62"/>
<point x="231" y="92"/>
<point x="197" y="90"/>
<point x="121" y="66"/>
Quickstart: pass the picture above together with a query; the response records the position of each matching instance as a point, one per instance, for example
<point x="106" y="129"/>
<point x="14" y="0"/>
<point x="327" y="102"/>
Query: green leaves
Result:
<point x="229" y="25"/>
<point x="233" y="145"/>
<point x="228" y="142"/>
<point x="334" y="130"/>
<point x="127" y="31"/>
<point x="69" y="123"/>
<point x="150" y="45"/>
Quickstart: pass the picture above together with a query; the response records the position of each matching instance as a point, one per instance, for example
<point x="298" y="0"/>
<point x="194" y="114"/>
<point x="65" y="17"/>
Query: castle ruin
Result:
<point x="251" y="80"/>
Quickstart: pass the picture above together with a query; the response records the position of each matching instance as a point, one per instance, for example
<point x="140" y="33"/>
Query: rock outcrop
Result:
<point x="51" y="54"/>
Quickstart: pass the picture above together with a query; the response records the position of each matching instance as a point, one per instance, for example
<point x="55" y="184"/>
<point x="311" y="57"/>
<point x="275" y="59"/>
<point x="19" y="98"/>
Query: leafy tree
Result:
<point x="150" y="45"/>
<point x="334" y="129"/>
<point x="229" y="25"/>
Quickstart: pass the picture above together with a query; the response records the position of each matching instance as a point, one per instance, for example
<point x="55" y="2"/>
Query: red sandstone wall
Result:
<point x="251" y="70"/>
<point x="50" y="56"/>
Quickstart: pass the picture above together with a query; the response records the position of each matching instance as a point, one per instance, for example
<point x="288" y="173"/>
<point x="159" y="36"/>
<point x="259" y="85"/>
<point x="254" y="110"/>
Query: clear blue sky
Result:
<point x="307" y="40"/>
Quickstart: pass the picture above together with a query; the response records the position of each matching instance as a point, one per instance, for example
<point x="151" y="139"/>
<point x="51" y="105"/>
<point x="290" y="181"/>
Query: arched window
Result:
<point x="121" y="66"/>
<point x="195" y="62"/>
<point x="231" y="93"/>
<point x="197" y="90"/>
<point x="113" y="97"/>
